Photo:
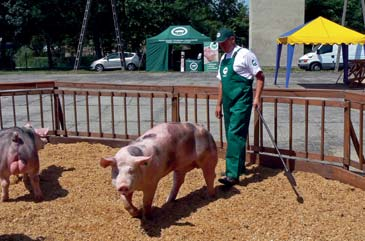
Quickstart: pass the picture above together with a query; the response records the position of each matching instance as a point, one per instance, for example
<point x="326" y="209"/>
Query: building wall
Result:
<point x="268" y="20"/>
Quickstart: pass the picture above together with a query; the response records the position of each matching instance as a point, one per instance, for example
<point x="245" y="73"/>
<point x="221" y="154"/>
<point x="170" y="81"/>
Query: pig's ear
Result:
<point x="28" y="124"/>
<point x="42" y="132"/>
<point x="143" y="160"/>
<point x="107" y="161"/>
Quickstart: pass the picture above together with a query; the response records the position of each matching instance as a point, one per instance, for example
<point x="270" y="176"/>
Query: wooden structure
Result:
<point x="357" y="72"/>
<point x="317" y="131"/>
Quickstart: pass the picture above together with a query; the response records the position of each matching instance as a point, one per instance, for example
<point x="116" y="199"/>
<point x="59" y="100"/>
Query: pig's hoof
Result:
<point x="148" y="216"/>
<point x="171" y="200"/>
<point x="136" y="213"/>
<point x="211" y="194"/>
<point x="5" y="199"/>
<point x="38" y="199"/>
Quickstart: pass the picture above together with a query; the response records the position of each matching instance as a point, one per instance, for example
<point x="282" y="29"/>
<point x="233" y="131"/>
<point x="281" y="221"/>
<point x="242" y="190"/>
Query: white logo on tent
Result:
<point x="179" y="31"/>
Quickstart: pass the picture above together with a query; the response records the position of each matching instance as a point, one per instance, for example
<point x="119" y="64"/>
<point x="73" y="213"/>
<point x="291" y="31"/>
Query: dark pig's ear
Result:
<point x="107" y="161"/>
<point x="15" y="136"/>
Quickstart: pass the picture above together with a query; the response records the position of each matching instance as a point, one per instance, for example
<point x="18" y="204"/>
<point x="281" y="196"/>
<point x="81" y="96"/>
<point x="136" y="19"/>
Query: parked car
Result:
<point x="324" y="57"/>
<point x="112" y="61"/>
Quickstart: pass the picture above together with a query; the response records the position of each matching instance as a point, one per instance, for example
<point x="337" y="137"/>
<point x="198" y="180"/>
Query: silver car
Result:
<point x="112" y="61"/>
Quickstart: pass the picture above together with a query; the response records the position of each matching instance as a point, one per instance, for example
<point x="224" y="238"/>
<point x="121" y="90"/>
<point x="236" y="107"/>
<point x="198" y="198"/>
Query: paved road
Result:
<point x="299" y="79"/>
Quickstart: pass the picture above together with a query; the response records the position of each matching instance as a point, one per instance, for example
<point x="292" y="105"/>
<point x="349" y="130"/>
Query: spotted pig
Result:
<point x="167" y="147"/>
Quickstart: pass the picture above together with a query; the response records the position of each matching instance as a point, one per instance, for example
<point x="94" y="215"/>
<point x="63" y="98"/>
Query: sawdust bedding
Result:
<point x="81" y="204"/>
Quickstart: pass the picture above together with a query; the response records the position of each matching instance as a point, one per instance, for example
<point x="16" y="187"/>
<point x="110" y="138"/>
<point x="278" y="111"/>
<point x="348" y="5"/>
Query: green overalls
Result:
<point x="237" y="106"/>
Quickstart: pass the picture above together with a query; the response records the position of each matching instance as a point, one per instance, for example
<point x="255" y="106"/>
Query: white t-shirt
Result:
<point x="245" y="63"/>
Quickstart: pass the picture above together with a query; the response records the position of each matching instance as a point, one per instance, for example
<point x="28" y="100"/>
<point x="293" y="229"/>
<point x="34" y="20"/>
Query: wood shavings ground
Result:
<point x="81" y="204"/>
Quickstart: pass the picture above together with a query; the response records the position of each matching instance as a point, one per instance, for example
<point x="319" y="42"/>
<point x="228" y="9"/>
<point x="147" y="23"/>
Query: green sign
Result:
<point x="193" y="65"/>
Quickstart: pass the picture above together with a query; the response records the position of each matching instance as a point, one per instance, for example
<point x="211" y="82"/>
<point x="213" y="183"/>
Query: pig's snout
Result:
<point x="123" y="189"/>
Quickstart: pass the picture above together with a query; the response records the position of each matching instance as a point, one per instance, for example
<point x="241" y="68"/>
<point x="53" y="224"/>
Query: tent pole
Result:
<point x="345" y="54"/>
<point x="289" y="60"/>
<point x="278" y="54"/>
<point x="343" y="24"/>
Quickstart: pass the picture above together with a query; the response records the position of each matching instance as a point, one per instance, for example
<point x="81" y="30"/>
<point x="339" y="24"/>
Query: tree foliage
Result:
<point x="332" y="9"/>
<point x="57" y="23"/>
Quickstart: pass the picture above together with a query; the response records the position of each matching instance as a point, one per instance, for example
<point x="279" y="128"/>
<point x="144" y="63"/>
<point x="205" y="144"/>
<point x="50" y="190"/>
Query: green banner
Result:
<point x="211" y="56"/>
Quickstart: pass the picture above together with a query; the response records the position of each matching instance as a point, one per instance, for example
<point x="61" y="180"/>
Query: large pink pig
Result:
<point x="19" y="155"/>
<point x="167" y="147"/>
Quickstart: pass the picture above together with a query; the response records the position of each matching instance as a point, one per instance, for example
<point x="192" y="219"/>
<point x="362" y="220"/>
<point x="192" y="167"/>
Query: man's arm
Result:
<point x="260" y="80"/>
<point x="218" y="108"/>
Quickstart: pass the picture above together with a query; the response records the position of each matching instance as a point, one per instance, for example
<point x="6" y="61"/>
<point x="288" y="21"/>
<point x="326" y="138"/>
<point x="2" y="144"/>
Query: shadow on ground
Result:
<point x="170" y="213"/>
<point x="50" y="185"/>
<point x="19" y="237"/>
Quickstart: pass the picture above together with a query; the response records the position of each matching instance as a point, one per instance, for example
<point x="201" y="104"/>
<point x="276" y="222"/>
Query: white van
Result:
<point x="324" y="57"/>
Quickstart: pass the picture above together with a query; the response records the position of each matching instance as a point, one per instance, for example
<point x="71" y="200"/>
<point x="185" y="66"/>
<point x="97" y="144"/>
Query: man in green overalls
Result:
<point x="237" y="69"/>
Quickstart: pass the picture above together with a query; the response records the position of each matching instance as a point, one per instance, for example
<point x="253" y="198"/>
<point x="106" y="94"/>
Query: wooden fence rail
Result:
<point x="317" y="127"/>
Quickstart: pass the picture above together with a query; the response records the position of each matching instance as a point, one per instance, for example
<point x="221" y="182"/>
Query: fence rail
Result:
<point x="323" y="127"/>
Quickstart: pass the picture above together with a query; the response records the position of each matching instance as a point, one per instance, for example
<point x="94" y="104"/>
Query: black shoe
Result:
<point x="228" y="181"/>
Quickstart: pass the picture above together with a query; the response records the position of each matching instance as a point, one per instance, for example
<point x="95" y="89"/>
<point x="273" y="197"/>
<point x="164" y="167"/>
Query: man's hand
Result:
<point x="218" y="111"/>
<point x="256" y="104"/>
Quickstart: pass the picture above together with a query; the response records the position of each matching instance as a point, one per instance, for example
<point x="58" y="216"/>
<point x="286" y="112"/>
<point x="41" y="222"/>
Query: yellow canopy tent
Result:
<point x="317" y="31"/>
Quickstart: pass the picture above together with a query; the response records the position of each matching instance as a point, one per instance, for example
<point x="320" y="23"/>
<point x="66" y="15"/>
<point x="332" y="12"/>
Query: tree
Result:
<point x="332" y="9"/>
<point x="52" y="23"/>
<point x="145" y="19"/>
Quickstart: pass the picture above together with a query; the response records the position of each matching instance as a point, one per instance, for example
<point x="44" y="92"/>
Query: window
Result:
<point x="116" y="55"/>
<point x="325" y="49"/>
<point x="127" y="55"/>
<point x="113" y="56"/>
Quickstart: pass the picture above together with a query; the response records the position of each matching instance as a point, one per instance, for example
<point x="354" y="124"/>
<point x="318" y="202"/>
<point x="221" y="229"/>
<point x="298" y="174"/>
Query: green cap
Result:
<point x="223" y="34"/>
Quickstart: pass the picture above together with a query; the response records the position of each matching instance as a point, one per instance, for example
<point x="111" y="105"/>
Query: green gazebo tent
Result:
<point x="157" y="52"/>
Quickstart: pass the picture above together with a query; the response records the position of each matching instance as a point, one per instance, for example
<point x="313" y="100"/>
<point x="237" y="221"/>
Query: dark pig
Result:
<point x="19" y="155"/>
<point x="177" y="147"/>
